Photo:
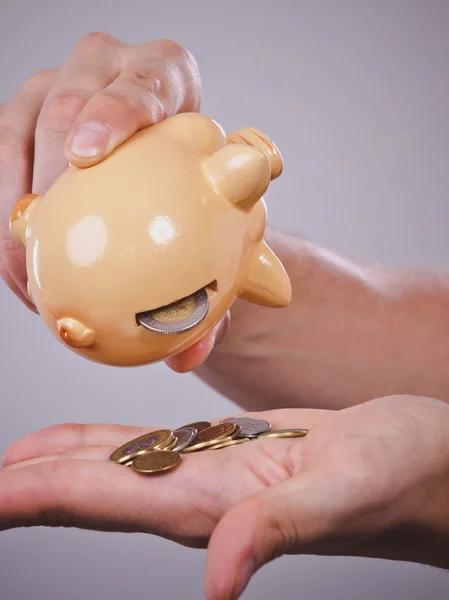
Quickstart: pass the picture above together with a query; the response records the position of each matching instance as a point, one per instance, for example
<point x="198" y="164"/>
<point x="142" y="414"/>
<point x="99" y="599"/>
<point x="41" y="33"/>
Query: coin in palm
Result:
<point x="249" y="426"/>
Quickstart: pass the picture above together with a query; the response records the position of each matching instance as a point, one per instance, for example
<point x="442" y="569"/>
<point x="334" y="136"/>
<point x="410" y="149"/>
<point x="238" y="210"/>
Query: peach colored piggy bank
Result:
<point x="176" y="209"/>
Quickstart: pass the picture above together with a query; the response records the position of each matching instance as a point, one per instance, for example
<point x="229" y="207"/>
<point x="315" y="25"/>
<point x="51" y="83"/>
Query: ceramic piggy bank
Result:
<point x="134" y="259"/>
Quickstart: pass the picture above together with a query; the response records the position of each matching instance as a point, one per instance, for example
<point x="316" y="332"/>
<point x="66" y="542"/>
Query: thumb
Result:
<point x="280" y="520"/>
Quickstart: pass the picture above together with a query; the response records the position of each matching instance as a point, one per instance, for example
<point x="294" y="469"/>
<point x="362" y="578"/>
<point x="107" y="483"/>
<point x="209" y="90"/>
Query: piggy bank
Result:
<point x="133" y="260"/>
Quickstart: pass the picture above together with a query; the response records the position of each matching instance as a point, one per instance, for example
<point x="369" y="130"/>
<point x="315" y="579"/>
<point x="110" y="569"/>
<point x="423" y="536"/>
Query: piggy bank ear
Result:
<point x="240" y="173"/>
<point x="19" y="217"/>
<point x="198" y="132"/>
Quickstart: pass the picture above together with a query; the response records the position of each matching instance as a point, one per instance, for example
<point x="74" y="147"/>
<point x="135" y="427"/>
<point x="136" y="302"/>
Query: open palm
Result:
<point x="353" y="486"/>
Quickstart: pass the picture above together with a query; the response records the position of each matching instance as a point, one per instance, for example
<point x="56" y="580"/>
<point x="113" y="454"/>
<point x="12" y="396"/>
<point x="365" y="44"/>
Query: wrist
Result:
<point x="432" y="521"/>
<point x="422" y="532"/>
<point x="285" y="357"/>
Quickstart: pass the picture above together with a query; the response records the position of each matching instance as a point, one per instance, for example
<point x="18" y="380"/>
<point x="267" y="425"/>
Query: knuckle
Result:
<point x="129" y="108"/>
<point x="188" y="71"/>
<point x="95" y="40"/>
<point x="169" y="49"/>
<point x="172" y="49"/>
<point x="283" y="530"/>
<point x="190" y="61"/>
<point x="183" y="56"/>
<point x="146" y="78"/>
<point x="60" y="110"/>
<point x="116" y="101"/>
<point x="39" y="79"/>
<point x="155" y="108"/>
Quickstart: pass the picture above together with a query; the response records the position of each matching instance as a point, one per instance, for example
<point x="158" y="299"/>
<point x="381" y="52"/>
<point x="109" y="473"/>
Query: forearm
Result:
<point x="351" y="333"/>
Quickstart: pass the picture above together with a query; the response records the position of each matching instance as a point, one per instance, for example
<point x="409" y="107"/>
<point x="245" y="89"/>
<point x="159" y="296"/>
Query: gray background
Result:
<point x="356" y="95"/>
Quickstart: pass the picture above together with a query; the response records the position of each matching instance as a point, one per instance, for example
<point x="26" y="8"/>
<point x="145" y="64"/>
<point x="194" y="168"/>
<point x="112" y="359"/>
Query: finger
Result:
<point x="17" y="127"/>
<point x="82" y="452"/>
<point x="4" y="274"/>
<point x="90" y="493"/>
<point x="93" y="65"/>
<point x="280" y="520"/>
<point x="60" y="438"/>
<point x="158" y="80"/>
<point x="197" y="354"/>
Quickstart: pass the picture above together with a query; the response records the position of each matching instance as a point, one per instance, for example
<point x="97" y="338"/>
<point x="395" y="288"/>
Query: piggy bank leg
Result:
<point x="267" y="282"/>
<point x="257" y="139"/>
<point x="20" y="215"/>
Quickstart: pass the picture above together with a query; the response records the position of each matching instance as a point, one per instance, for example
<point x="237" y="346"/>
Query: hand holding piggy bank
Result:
<point x="134" y="259"/>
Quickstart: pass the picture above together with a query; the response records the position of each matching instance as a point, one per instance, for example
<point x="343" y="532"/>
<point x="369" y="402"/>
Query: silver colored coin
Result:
<point x="178" y="317"/>
<point x="250" y="427"/>
<point x="185" y="436"/>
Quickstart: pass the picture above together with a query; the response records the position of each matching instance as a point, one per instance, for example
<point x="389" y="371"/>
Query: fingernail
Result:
<point x="91" y="139"/>
<point x="246" y="572"/>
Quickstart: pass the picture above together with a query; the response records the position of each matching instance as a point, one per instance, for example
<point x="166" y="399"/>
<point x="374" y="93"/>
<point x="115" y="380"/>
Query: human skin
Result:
<point x="371" y="480"/>
<point x="78" y="113"/>
<point x="359" y="483"/>
<point x="352" y="332"/>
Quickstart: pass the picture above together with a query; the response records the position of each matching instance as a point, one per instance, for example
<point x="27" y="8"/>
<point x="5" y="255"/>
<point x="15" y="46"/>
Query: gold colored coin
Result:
<point x="218" y="432"/>
<point x="153" y="440"/>
<point x="157" y="461"/>
<point x="164" y="445"/>
<point x="284" y="433"/>
<point x="172" y="444"/>
<point x="229" y="443"/>
<point x="178" y="311"/>
<point x="203" y="445"/>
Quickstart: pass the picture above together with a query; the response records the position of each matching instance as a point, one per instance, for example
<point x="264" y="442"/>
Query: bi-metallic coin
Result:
<point x="178" y="317"/>
<point x="154" y="440"/>
<point x="184" y="436"/>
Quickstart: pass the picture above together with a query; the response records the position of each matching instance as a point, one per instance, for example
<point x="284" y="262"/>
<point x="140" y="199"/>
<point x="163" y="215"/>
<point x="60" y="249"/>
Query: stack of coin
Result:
<point x="161" y="450"/>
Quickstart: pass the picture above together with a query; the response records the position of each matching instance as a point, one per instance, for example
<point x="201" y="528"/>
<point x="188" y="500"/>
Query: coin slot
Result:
<point x="212" y="288"/>
<point x="181" y="315"/>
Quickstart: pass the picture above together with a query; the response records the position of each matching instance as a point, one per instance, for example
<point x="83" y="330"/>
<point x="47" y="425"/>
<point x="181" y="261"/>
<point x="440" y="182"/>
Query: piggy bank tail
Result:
<point x="257" y="139"/>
